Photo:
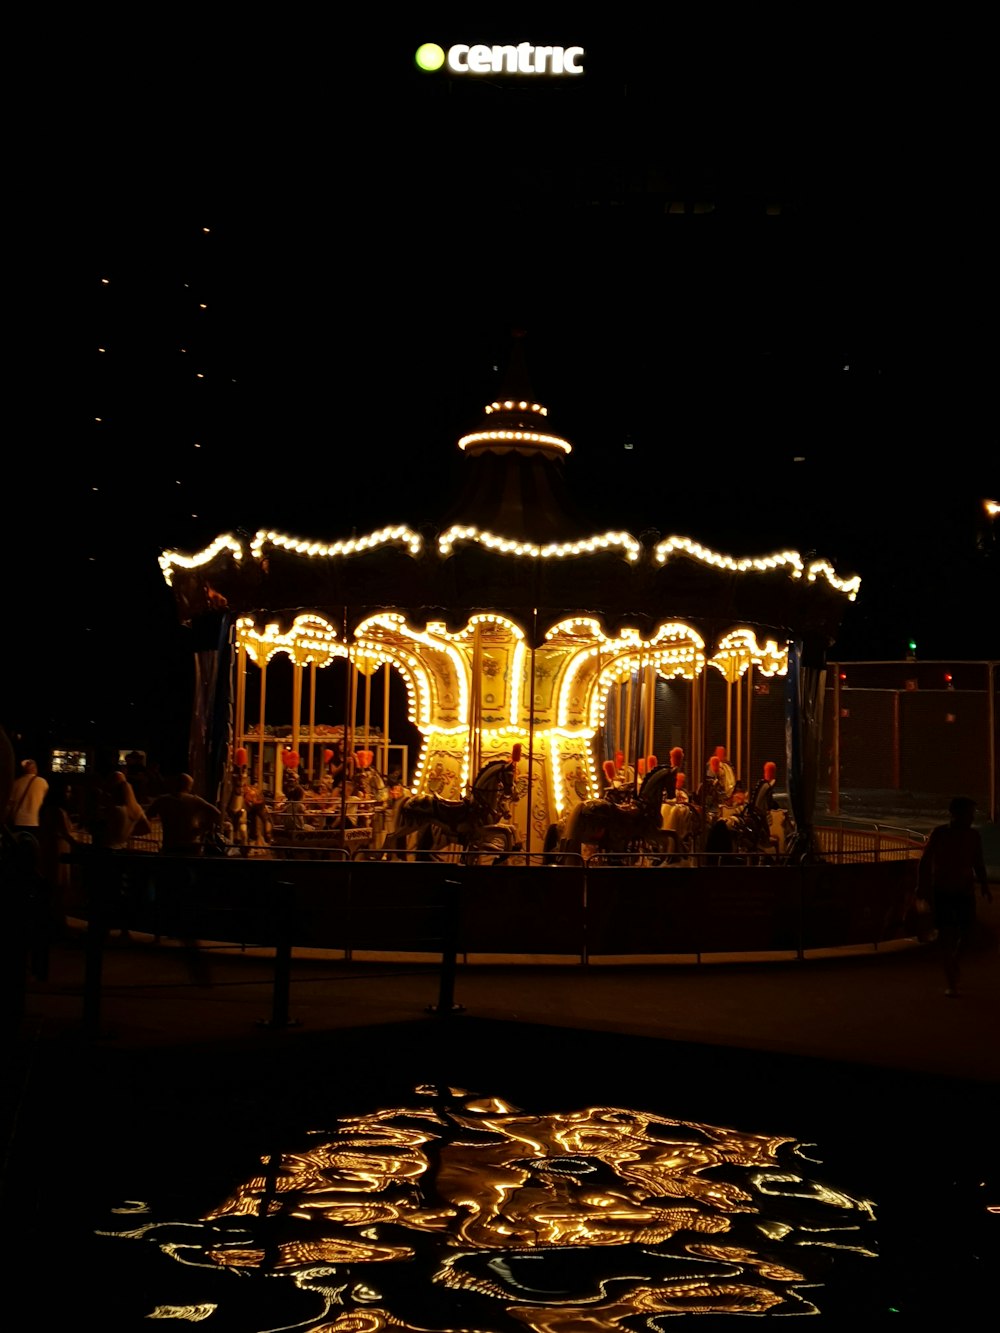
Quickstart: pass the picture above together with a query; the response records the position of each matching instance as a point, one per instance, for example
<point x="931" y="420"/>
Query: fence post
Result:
<point x="449" y="951"/>
<point x="282" y="916"/>
<point x="94" y="871"/>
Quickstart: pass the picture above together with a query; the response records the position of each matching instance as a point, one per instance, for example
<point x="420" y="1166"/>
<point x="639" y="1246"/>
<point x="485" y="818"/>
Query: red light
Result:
<point x="947" y="677"/>
<point x="843" y="675"/>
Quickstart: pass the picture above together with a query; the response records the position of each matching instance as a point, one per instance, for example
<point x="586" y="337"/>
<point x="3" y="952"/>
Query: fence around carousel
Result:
<point x="860" y="894"/>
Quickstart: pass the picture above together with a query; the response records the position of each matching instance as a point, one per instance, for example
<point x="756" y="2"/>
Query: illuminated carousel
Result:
<point x="516" y="632"/>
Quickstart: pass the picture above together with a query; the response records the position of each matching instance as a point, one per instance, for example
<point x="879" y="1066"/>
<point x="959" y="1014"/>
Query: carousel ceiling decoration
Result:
<point x="265" y="542"/>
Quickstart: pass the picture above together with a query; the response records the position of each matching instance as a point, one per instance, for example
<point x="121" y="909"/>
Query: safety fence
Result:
<point x="566" y="910"/>
<point x="449" y="914"/>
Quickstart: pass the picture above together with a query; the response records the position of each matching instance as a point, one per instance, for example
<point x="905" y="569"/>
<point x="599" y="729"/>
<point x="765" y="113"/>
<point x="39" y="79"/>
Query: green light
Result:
<point x="429" y="56"/>
<point x="912" y="645"/>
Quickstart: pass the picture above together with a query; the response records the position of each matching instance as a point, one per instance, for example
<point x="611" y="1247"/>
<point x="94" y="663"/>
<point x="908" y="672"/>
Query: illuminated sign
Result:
<point x="521" y="59"/>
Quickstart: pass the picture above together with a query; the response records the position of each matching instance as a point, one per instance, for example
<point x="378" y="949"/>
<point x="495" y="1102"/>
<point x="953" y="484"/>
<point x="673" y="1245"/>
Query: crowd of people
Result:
<point x="48" y="819"/>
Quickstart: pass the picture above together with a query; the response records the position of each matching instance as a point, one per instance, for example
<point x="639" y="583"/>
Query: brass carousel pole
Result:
<point x="531" y="734"/>
<point x="740" y="770"/>
<point x="241" y="697"/>
<point x="347" y="731"/>
<point x="368" y="704"/>
<point x="749" y="726"/>
<point x="650" y="708"/>
<point x="312" y="719"/>
<point x="476" y="704"/>
<point x="296" y="705"/>
<point x="619" y="717"/>
<point x="354" y="674"/>
<point x="700" y="763"/>
<point x="600" y="740"/>
<point x="627" y="721"/>
<point x="260" y="728"/>
<point x="385" y="722"/>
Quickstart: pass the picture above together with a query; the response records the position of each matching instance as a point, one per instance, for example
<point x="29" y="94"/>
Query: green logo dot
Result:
<point x="430" y="56"/>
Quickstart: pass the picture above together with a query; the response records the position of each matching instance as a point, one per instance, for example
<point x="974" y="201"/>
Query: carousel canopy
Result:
<point x="515" y="545"/>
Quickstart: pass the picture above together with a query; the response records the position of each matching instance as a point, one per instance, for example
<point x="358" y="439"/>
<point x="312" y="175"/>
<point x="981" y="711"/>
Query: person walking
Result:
<point x="951" y="864"/>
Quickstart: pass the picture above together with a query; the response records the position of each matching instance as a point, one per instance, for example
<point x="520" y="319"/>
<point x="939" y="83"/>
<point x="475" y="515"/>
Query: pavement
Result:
<point x="187" y="1063"/>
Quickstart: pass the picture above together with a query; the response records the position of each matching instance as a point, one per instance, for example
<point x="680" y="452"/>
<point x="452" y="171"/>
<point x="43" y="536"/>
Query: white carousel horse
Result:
<point x="684" y="820"/>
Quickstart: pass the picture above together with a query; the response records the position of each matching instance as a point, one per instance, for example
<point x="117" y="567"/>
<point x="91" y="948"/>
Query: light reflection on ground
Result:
<point x="462" y="1212"/>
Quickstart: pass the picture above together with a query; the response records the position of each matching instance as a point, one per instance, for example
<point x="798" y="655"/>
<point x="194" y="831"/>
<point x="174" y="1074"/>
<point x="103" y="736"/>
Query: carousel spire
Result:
<point x="515" y="420"/>
<point x="515" y="488"/>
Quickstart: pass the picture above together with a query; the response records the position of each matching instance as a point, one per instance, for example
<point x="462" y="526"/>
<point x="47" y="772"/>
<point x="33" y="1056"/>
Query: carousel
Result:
<point x="559" y="679"/>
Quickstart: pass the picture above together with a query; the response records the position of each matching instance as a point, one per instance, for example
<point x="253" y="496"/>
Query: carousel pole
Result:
<point x="619" y="717"/>
<point x="385" y="722"/>
<point x="260" y="729"/>
<point x="649" y="747"/>
<point x="312" y="718"/>
<point x="347" y="732"/>
<point x="749" y="724"/>
<point x="354" y="674"/>
<point x="627" y="720"/>
<point x="599" y="743"/>
<point x="296" y="704"/>
<point x="740" y="770"/>
<point x="368" y="704"/>
<point x="700" y="764"/>
<point x="639" y="725"/>
<point x="476" y="704"/>
<point x="531" y="734"/>
<point x="729" y="709"/>
<point x="241" y="696"/>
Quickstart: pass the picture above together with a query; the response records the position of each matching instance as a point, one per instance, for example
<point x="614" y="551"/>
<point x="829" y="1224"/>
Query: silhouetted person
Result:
<point x="950" y="866"/>
<point x="58" y="837"/>
<point x="186" y="819"/>
<point x="26" y="797"/>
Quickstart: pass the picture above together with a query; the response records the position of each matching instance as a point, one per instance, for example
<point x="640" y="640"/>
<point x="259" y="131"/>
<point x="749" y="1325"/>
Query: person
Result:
<point x="951" y="864"/>
<point x="720" y="767"/>
<point x="26" y="797"/>
<point x="186" y="819"/>
<point x="123" y="816"/>
<point x="58" y="836"/>
<point x="763" y="793"/>
<point x="137" y="776"/>
<point x="295" y="809"/>
<point x="708" y="797"/>
<point x="260" y="829"/>
<point x="396" y="795"/>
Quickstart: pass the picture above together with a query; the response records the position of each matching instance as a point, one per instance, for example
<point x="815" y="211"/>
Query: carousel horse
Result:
<point x="479" y="822"/>
<point x="684" y="819"/>
<point x="758" y="831"/>
<point x="634" y="827"/>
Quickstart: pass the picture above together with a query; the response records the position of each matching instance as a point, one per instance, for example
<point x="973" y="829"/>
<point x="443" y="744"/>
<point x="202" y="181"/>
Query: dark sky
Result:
<point x="303" y="267"/>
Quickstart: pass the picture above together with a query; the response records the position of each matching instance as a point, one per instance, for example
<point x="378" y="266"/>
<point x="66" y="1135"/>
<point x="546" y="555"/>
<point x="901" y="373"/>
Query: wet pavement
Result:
<point x="186" y="1084"/>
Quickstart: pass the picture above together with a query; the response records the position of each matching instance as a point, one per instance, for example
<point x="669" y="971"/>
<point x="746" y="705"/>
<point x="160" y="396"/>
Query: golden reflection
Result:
<point x="558" y="1222"/>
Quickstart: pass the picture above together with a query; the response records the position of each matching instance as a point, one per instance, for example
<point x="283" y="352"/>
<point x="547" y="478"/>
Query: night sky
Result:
<point x="276" y="285"/>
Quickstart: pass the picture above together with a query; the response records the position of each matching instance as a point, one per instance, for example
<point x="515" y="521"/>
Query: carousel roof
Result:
<point x="514" y="544"/>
